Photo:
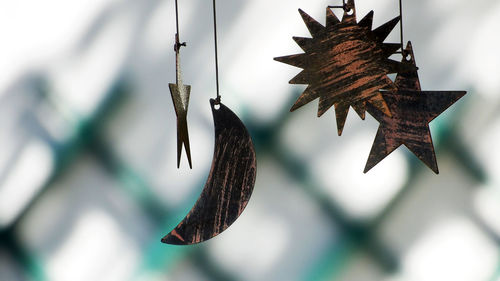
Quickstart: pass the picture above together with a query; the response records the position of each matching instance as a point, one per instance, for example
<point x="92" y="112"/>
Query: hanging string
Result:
<point x="403" y="51"/>
<point x="178" y="44"/>
<point x="177" y="16"/>
<point x="217" y="100"/>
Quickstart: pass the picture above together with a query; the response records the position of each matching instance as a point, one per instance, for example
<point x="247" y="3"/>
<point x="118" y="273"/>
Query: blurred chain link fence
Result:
<point x="88" y="178"/>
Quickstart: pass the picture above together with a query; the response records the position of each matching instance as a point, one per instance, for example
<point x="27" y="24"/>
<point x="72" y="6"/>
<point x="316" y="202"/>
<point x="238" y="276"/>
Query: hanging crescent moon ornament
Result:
<point x="345" y="63"/>
<point x="229" y="186"/>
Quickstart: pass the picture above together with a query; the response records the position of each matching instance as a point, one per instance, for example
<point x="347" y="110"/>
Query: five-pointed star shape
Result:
<point x="412" y="111"/>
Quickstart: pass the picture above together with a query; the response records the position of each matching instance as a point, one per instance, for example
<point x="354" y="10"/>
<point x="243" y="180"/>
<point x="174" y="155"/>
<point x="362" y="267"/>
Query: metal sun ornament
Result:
<point x="345" y="63"/>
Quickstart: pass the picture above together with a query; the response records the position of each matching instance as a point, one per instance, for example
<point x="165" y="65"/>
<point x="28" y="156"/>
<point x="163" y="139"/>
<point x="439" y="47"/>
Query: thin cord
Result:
<point x="177" y="16"/>
<point x="178" y="44"/>
<point x="216" y="55"/>
<point x="403" y="52"/>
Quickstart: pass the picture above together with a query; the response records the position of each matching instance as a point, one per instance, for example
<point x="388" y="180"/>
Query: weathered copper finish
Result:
<point x="229" y="185"/>
<point x="412" y="111"/>
<point x="180" y="96"/>
<point x="345" y="64"/>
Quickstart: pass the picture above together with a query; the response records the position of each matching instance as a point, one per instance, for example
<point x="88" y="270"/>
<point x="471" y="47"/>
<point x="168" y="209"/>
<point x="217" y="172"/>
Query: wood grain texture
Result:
<point x="345" y="64"/>
<point x="412" y="111"/>
<point x="229" y="186"/>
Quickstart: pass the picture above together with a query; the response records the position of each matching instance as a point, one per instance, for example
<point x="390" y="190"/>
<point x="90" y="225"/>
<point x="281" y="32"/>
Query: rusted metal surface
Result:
<point x="180" y="97"/>
<point x="229" y="185"/>
<point x="412" y="111"/>
<point x="345" y="64"/>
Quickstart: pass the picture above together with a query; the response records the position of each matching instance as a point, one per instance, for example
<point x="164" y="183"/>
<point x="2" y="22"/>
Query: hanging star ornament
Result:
<point x="412" y="111"/>
<point x="345" y="64"/>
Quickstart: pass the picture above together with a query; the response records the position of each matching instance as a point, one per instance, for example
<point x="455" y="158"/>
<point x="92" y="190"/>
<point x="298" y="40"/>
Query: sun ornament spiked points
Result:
<point x="345" y="64"/>
<point x="412" y="111"/>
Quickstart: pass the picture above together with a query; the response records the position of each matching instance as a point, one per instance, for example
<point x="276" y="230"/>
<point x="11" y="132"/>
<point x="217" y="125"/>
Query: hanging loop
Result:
<point x="178" y="44"/>
<point x="344" y="6"/>
<point x="217" y="100"/>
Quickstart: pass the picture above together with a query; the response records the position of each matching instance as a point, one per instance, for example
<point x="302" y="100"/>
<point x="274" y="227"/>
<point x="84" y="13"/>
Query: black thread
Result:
<point x="178" y="43"/>
<point x="403" y="51"/>
<point x="216" y="55"/>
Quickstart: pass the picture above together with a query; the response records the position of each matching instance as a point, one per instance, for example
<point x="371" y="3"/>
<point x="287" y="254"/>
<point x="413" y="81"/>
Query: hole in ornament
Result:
<point x="216" y="106"/>
<point x="350" y="12"/>
<point x="408" y="57"/>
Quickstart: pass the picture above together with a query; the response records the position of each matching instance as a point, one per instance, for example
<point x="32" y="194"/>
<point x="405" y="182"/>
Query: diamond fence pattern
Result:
<point x="88" y="184"/>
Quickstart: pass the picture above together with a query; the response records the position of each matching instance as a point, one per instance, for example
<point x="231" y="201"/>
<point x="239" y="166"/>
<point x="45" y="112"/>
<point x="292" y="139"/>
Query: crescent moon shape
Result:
<point x="229" y="186"/>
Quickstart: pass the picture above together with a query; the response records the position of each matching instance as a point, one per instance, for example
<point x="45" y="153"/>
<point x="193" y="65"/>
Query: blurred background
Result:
<point x="88" y="177"/>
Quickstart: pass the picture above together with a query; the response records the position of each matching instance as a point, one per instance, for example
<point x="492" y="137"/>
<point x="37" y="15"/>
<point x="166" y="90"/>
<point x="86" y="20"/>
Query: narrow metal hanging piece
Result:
<point x="345" y="63"/>
<point x="180" y="96"/>
<point x="412" y="111"/>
